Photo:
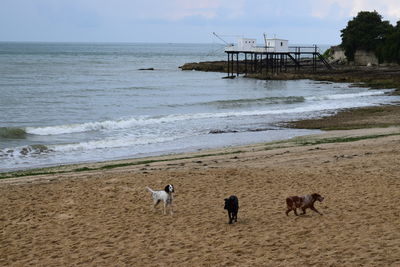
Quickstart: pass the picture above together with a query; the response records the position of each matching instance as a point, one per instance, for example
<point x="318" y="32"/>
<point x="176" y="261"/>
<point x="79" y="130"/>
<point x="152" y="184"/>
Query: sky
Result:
<point x="183" y="21"/>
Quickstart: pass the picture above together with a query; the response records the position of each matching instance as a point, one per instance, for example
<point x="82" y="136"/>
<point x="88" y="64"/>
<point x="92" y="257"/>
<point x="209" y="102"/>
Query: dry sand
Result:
<point x="105" y="217"/>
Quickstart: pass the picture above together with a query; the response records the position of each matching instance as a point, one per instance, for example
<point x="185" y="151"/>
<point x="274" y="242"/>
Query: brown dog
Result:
<point x="303" y="203"/>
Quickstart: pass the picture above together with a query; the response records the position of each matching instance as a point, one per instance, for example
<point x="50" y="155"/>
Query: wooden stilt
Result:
<point x="229" y="64"/>
<point x="237" y="64"/>
<point x="245" y="63"/>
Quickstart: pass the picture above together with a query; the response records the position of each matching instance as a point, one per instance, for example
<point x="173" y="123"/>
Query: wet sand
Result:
<point x="104" y="217"/>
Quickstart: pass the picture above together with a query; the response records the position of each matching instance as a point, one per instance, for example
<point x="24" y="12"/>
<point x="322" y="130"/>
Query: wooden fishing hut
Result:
<point x="274" y="57"/>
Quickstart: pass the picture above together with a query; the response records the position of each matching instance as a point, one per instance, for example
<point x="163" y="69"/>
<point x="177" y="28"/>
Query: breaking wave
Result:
<point x="234" y="103"/>
<point x="35" y="150"/>
<point x="12" y="133"/>
<point x="263" y="100"/>
<point x="25" y="151"/>
<point x="347" y="96"/>
<point x="112" y="143"/>
<point x="143" y="121"/>
<point x="110" y="125"/>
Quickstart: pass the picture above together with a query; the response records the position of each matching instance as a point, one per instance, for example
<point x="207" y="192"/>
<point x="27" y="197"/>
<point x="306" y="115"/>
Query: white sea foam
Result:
<point x="25" y="151"/>
<point x="347" y="96"/>
<point x="143" y="121"/>
<point x="112" y="143"/>
<point x="128" y="123"/>
<point x="133" y="122"/>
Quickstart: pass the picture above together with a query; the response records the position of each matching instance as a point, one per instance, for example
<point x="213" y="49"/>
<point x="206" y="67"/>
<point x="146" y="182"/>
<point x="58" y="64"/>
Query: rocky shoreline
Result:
<point x="377" y="77"/>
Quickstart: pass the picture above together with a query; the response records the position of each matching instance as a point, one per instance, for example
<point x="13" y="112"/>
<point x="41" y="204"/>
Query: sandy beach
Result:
<point x="274" y="103"/>
<point x="104" y="216"/>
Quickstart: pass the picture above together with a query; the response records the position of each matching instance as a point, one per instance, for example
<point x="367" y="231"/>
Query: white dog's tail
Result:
<point x="149" y="189"/>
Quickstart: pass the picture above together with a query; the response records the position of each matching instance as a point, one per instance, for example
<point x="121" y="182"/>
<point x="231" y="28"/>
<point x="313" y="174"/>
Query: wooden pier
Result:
<point x="263" y="61"/>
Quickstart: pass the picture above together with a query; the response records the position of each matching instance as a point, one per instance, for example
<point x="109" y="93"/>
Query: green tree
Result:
<point x="366" y="31"/>
<point x="390" y="50"/>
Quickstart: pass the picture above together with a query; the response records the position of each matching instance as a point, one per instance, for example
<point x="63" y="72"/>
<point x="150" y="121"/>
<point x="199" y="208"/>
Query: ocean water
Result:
<point x="66" y="103"/>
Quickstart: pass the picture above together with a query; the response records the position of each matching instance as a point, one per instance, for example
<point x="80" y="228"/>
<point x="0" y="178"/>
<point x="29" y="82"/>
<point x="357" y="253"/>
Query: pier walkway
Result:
<point x="267" y="60"/>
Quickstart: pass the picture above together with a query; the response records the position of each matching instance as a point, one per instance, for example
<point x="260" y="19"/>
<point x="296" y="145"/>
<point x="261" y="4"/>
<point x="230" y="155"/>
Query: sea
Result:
<point x="64" y="103"/>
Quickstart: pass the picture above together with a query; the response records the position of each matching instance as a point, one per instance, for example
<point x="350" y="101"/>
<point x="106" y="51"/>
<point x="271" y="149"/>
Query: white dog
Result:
<point x="163" y="195"/>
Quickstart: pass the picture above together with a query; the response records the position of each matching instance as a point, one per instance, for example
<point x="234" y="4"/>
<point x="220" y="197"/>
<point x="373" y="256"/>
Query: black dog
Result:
<point x="232" y="205"/>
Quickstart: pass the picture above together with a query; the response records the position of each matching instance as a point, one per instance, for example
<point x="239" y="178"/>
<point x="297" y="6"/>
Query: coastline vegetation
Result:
<point x="367" y="31"/>
<point x="58" y="169"/>
<point x="357" y="118"/>
<point x="342" y="139"/>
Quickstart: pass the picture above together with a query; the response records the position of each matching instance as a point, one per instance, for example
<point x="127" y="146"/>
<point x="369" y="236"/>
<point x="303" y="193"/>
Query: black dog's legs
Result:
<point x="230" y="217"/>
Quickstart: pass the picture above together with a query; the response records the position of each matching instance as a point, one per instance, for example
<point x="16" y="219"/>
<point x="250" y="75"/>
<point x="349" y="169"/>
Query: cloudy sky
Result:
<point x="183" y="21"/>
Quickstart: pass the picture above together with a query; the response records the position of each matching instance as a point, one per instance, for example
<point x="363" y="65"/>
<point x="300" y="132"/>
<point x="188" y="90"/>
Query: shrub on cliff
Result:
<point x="367" y="31"/>
<point x="389" y="51"/>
